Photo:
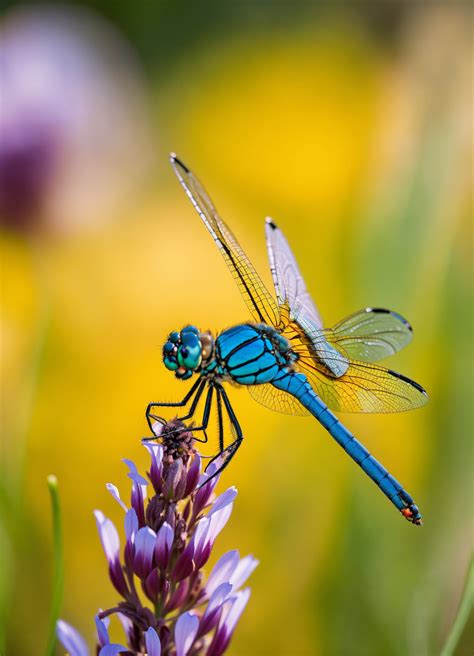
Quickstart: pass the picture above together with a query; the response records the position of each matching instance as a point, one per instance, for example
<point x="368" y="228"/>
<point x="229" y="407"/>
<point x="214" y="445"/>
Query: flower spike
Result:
<point x="170" y="529"/>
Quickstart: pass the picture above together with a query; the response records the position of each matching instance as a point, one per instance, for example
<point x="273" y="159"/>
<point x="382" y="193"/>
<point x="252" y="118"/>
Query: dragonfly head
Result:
<point x="184" y="351"/>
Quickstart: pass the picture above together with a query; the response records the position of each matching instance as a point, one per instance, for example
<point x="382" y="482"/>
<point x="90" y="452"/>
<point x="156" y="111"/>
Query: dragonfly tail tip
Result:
<point x="413" y="516"/>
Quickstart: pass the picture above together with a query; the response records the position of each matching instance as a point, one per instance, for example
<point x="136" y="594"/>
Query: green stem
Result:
<point x="58" y="574"/>
<point x="12" y="452"/>
<point x="462" y="615"/>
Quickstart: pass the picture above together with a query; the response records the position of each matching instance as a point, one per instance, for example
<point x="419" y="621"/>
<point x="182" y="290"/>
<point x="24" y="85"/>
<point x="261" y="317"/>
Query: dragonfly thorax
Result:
<point x="187" y="350"/>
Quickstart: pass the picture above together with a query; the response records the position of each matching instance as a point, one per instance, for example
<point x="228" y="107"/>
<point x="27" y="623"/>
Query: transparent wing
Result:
<point x="259" y="301"/>
<point x="277" y="400"/>
<point x="289" y="284"/>
<point x="363" y="387"/>
<point x="370" y="335"/>
<point x="308" y="341"/>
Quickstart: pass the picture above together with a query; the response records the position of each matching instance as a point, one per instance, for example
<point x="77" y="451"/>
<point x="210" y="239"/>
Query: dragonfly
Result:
<point x="285" y="357"/>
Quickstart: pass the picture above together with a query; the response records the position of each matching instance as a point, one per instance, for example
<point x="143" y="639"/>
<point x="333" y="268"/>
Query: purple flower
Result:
<point x="170" y="529"/>
<point x="185" y="632"/>
<point x="71" y="639"/>
<point x="232" y="611"/>
<point x="65" y="116"/>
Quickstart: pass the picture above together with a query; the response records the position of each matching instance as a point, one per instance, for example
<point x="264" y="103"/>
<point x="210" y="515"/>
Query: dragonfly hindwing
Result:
<point x="371" y="334"/>
<point x="277" y="400"/>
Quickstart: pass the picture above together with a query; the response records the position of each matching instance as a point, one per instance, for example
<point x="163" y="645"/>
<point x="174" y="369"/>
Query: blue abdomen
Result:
<point x="248" y="355"/>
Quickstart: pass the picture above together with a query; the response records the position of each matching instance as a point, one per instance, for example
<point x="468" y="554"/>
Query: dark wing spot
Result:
<point x="271" y="224"/>
<point x="405" y="379"/>
<point x="175" y="159"/>
<point x="378" y="310"/>
<point x="394" y="314"/>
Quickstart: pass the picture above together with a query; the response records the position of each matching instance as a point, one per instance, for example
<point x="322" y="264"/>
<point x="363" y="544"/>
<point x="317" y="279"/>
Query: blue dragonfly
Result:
<point x="285" y="357"/>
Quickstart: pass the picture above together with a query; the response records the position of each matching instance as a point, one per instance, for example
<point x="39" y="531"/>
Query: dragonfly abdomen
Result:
<point x="251" y="354"/>
<point x="298" y="386"/>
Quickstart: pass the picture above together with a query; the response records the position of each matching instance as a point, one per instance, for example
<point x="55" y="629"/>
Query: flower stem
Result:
<point x="58" y="575"/>
<point x="12" y="451"/>
<point x="462" y="614"/>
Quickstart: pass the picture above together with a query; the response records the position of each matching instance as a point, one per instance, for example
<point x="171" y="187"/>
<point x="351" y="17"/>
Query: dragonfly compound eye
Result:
<point x="182" y="353"/>
<point x="191" y="329"/>
<point x="189" y="353"/>
<point x="174" y="337"/>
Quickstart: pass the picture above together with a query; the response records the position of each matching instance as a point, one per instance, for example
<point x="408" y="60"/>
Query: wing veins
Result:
<point x="260" y="303"/>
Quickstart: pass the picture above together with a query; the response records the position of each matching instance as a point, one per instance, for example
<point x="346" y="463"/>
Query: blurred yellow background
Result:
<point x="352" y="129"/>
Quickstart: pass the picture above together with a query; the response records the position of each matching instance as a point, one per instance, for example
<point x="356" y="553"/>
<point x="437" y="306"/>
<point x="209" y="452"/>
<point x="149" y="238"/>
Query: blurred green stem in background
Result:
<point x="13" y="525"/>
<point x="462" y="616"/>
<point x="58" y="575"/>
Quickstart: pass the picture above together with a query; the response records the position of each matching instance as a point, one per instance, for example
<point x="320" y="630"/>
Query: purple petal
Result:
<point x="218" y="520"/>
<point x="213" y="610"/>
<point x="218" y="597"/>
<point x="152" y="642"/>
<point x="163" y="545"/>
<point x="184" y="565"/>
<point x="204" y="492"/>
<point x="174" y="476"/>
<point x="203" y="556"/>
<point x="222" y="571"/>
<point x="184" y="633"/>
<point x="102" y="632"/>
<point x="116" y="494"/>
<point x="202" y="542"/>
<point x="133" y="473"/>
<point x="108" y="536"/>
<point x="113" y="650"/>
<point x="111" y="545"/>
<point x="151" y="585"/>
<point x="223" y="500"/>
<point x="243" y="570"/>
<point x="139" y="494"/>
<point x="71" y="640"/>
<point x="157" y="428"/>
<point x="239" y="602"/>
<point x="118" y="579"/>
<point x="207" y="475"/>
<point x="145" y="540"/>
<point x="193" y="475"/>
<point x="131" y="528"/>
<point x="139" y="490"/>
<point x="131" y="525"/>
<point x="178" y="596"/>
<point x="234" y="607"/>
<point x="156" y="452"/>
<point x="200" y="534"/>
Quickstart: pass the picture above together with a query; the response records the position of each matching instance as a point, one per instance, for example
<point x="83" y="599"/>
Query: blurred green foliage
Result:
<point x="352" y="128"/>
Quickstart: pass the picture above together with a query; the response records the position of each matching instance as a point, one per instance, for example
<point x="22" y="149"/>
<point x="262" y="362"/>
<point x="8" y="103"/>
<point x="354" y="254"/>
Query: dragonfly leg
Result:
<point x="193" y="407"/>
<point x="220" y="422"/>
<point x="196" y="389"/>
<point x="205" y="416"/>
<point x="225" y="455"/>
